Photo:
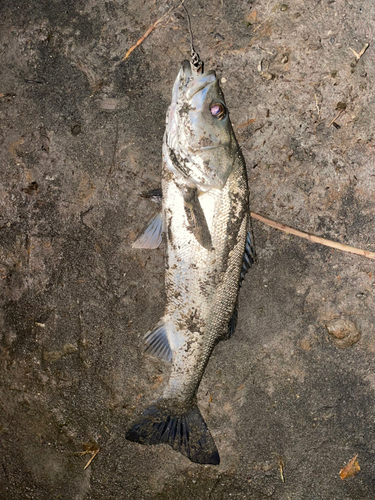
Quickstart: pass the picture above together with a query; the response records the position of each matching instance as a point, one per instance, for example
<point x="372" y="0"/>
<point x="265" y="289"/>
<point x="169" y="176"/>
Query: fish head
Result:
<point x="199" y="139"/>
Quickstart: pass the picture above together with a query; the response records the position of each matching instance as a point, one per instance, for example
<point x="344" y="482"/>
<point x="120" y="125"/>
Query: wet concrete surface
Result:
<point x="288" y="401"/>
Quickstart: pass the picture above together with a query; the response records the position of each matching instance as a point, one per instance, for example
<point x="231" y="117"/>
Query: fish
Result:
<point x="205" y="226"/>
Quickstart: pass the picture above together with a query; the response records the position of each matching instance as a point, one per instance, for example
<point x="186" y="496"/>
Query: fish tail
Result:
<point x="185" y="431"/>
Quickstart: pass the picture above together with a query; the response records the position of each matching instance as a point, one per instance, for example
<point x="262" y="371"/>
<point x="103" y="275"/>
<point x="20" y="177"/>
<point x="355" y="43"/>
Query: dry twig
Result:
<point x="150" y="29"/>
<point x="281" y="468"/>
<point x="314" y="239"/>
<point x="317" y="105"/>
<point x="245" y="124"/>
<point x="337" y="116"/>
<point x="94" y="453"/>
<point x="358" y="56"/>
<point x="92" y="448"/>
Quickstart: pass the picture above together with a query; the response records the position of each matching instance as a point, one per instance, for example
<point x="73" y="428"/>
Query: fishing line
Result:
<point x="195" y="59"/>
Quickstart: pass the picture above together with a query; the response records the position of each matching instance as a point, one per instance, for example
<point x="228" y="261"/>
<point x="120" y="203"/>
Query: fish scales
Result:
<point x="204" y="223"/>
<point x="202" y="280"/>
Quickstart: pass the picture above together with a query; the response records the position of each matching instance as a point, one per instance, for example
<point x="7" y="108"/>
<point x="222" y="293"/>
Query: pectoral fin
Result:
<point x="152" y="235"/>
<point x="197" y="223"/>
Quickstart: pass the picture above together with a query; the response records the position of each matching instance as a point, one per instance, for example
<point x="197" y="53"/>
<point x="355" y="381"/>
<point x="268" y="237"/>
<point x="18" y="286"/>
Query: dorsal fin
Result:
<point x="248" y="257"/>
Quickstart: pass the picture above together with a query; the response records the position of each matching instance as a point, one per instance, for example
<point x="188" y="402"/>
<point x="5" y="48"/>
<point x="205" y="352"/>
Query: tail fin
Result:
<point x="184" y="432"/>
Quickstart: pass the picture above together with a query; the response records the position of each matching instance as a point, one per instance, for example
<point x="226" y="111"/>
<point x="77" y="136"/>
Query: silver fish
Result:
<point x="205" y="225"/>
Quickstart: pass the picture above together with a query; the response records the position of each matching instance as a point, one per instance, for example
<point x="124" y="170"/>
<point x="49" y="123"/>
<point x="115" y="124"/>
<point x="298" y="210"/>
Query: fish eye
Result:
<point x="218" y="110"/>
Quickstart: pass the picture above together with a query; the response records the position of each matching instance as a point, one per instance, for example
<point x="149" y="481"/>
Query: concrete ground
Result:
<point x="288" y="403"/>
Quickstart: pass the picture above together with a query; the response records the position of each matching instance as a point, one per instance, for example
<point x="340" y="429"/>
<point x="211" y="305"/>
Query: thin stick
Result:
<point x="150" y="29"/>
<point x="365" y="47"/>
<point x="261" y="24"/>
<point x="355" y="53"/>
<point x="337" y="116"/>
<point x="314" y="239"/>
<point x="245" y="124"/>
<point x="94" y="453"/>
<point x="317" y="106"/>
<point x="358" y="56"/>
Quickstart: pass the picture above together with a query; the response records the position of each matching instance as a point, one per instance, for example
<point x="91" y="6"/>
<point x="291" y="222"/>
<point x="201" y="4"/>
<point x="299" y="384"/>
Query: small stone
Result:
<point x="343" y="331"/>
<point x="219" y="37"/>
<point x="76" y="129"/>
<point x="305" y="344"/>
<point x="109" y="104"/>
<point x="315" y="45"/>
<point x="267" y="76"/>
<point x="283" y="7"/>
<point x="341" y="106"/>
<point x="223" y="80"/>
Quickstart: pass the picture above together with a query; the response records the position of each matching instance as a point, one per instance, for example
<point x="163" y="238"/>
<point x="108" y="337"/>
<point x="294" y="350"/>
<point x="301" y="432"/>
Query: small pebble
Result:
<point x="341" y="106"/>
<point x="223" y="80"/>
<point x="283" y="7"/>
<point x="76" y="129"/>
<point x="343" y="331"/>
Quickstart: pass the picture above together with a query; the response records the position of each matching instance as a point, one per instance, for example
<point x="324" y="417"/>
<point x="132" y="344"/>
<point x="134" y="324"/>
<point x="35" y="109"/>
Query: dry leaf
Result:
<point x="252" y="17"/>
<point x="351" y="469"/>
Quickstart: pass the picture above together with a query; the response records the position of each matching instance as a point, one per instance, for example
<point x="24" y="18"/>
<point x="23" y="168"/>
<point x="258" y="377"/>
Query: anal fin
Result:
<point x="158" y="344"/>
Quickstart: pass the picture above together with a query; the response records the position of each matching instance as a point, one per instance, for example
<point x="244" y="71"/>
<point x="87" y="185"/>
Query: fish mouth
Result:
<point x="193" y="81"/>
<point x="186" y="69"/>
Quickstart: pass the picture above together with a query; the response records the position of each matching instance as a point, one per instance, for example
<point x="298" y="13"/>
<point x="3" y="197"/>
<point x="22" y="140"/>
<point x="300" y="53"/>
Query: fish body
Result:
<point x="205" y="222"/>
